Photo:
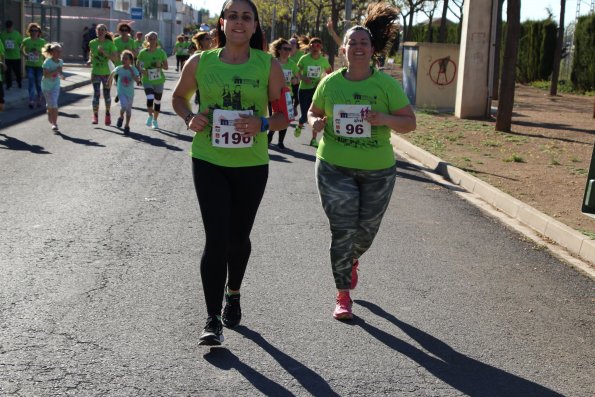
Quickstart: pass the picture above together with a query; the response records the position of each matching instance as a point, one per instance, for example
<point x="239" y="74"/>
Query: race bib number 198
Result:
<point x="224" y="135"/>
<point x="349" y="121"/>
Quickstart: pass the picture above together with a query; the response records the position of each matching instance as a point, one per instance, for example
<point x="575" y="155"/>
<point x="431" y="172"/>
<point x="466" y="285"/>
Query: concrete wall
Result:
<point x="435" y="74"/>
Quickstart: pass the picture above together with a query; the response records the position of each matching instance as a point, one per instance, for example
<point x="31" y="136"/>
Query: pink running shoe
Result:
<point x="343" y="307"/>
<point x="354" y="275"/>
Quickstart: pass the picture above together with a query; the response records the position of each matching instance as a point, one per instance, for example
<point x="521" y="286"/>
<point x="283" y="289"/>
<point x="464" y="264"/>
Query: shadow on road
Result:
<point x="309" y="379"/>
<point x="224" y="359"/>
<point x="181" y="137"/>
<point x="86" y="142"/>
<point x="469" y="376"/>
<point x="143" y="138"/>
<point x="405" y="166"/>
<point x="11" y="143"/>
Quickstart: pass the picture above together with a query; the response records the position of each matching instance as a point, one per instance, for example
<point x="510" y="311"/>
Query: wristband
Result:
<point x="264" y="124"/>
<point x="188" y="118"/>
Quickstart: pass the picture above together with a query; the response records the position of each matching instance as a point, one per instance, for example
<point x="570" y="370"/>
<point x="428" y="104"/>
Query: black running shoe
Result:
<point x="119" y="122"/>
<point x="281" y="146"/>
<point x="232" y="313"/>
<point x="117" y="99"/>
<point x="212" y="334"/>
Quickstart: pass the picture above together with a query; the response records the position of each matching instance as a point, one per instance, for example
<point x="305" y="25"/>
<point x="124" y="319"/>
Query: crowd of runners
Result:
<point x="234" y="93"/>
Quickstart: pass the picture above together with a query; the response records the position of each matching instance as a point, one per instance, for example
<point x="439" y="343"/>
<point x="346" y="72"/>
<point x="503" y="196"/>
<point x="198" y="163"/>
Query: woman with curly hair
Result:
<point x="32" y="50"/>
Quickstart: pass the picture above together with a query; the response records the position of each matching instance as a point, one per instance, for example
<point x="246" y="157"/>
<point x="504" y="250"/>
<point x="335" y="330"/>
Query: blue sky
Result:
<point x="530" y="9"/>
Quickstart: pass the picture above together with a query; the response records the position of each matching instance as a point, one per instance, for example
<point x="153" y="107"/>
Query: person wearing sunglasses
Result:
<point x="357" y="107"/>
<point x="123" y="42"/>
<point x="281" y="49"/>
<point x="181" y="51"/>
<point x="31" y="49"/>
<point x="312" y="68"/>
<point x="152" y="61"/>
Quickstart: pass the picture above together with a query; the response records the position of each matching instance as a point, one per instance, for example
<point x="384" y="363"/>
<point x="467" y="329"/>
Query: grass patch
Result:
<point x="490" y="143"/>
<point x="519" y="140"/>
<point x="588" y="233"/>
<point x="514" y="158"/>
<point x="553" y="161"/>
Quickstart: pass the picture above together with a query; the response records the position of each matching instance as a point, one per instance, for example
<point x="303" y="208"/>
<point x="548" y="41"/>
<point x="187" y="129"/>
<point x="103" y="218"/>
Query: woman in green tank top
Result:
<point x="237" y="80"/>
<point x="357" y="107"/>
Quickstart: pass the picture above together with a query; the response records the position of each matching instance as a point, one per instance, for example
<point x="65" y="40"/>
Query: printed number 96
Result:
<point x="236" y="138"/>
<point x="357" y="129"/>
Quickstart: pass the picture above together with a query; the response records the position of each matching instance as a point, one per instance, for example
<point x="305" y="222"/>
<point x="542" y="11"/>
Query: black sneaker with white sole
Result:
<point x="212" y="334"/>
<point x="232" y="313"/>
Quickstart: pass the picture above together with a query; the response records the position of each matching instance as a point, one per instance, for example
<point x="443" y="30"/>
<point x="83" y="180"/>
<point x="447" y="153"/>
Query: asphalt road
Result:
<point x="100" y="294"/>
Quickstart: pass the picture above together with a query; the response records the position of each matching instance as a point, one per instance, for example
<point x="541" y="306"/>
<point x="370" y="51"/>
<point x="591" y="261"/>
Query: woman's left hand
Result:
<point x="376" y="118"/>
<point x="248" y="125"/>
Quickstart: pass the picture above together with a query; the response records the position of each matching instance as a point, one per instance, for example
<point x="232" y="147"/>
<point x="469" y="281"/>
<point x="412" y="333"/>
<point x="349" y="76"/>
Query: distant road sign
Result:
<point x="136" y="13"/>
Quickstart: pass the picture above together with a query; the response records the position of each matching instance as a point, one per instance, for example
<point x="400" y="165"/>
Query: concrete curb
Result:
<point x="573" y="241"/>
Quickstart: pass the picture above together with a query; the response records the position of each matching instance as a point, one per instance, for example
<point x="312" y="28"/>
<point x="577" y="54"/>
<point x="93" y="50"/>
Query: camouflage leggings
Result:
<point x="354" y="202"/>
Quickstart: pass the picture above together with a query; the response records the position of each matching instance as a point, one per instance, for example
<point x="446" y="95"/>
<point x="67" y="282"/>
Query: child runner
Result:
<point x="127" y="74"/>
<point x="152" y="61"/>
<point x="357" y="107"/>
<point x="50" y="83"/>
<point x="229" y="152"/>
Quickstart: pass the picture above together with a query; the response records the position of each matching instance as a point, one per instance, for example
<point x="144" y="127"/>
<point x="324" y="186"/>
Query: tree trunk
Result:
<point x="496" y="79"/>
<point x="558" y="51"/>
<point x="506" y="101"/>
<point x="442" y="33"/>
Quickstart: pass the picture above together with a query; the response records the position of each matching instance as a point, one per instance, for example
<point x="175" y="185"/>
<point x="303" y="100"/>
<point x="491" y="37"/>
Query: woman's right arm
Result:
<point x="185" y="88"/>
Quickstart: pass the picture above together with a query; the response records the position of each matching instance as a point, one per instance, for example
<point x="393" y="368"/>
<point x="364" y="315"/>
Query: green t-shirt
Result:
<point x="296" y="57"/>
<point x="2" y="54"/>
<point x="181" y="49"/>
<point x="232" y="87"/>
<point x="122" y="45"/>
<point x="125" y="84"/>
<point x="99" y="61"/>
<point x="148" y="61"/>
<point x="312" y="68"/>
<point x="290" y="70"/>
<point x="33" y="48"/>
<point x="12" y="44"/>
<point x="383" y="94"/>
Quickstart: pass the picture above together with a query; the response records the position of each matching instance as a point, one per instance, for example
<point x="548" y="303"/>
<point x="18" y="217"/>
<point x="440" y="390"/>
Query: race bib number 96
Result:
<point x="349" y="121"/>
<point x="314" y="72"/>
<point x="224" y="134"/>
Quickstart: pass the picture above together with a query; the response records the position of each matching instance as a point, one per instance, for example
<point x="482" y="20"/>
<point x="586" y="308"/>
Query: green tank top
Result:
<point x="344" y="103"/>
<point x="232" y="87"/>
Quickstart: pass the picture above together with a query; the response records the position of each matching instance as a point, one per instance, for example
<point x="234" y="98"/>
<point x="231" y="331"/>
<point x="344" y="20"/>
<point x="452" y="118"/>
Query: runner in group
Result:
<point x="229" y="152"/>
<point x="280" y="49"/>
<point x="50" y="83"/>
<point x="31" y="49"/>
<point x="294" y="56"/>
<point x="202" y="41"/>
<point x="152" y="61"/>
<point x="102" y="50"/>
<point x="2" y="70"/>
<point x="127" y="74"/>
<point x="311" y="67"/>
<point x="357" y="107"/>
<point x="124" y="42"/>
<point x="181" y="51"/>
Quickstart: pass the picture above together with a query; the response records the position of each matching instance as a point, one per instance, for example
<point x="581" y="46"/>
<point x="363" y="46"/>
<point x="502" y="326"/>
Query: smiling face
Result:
<point x="239" y="23"/>
<point x="358" y="47"/>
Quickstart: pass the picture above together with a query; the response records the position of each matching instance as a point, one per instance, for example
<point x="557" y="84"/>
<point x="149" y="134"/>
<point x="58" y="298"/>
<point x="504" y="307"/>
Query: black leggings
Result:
<point x="228" y="199"/>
